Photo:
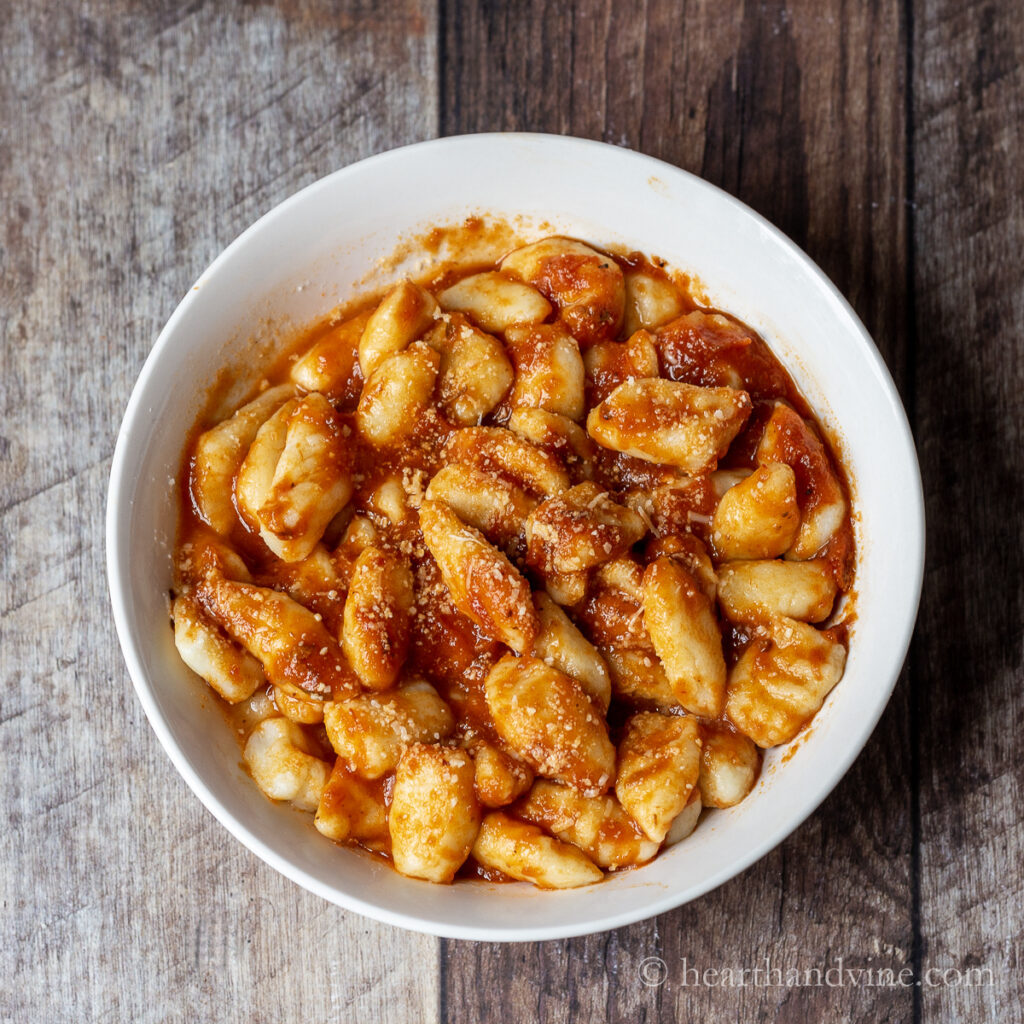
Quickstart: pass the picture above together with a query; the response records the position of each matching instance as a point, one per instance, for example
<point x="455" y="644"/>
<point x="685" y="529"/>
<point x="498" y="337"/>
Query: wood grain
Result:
<point x="137" y="140"/>
<point x="968" y="409"/>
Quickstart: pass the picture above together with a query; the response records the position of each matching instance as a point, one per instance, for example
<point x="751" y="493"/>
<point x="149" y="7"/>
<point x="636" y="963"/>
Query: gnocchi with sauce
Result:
<point x="513" y="572"/>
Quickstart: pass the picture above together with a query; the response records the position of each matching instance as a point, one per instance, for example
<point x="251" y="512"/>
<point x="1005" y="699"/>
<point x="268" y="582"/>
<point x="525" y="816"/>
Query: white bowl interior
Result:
<point x="303" y="258"/>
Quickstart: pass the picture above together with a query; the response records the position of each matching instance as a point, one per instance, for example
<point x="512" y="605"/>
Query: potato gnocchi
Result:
<point x="513" y="572"/>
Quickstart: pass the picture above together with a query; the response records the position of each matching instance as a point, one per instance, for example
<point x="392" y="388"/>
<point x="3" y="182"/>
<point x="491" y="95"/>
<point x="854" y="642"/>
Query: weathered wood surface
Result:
<point x="137" y="140"/>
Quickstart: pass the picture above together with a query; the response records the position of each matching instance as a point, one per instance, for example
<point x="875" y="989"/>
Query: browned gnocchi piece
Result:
<point x="781" y="680"/>
<point x="499" y="778"/>
<point x="482" y="582"/>
<point x="475" y="373"/>
<point x="316" y="583"/>
<point x="558" y="435"/>
<point x="650" y="301"/>
<point x="729" y="766"/>
<point x="670" y="422"/>
<point x="548" y="369"/>
<point x="280" y="761"/>
<point x="434" y="814"/>
<point x="758" y="517"/>
<point x="220" y="451"/>
<point x="331" y="366"/>
<point x="232" y="671"/>
<point x="491" y="504"/>
<point x="579" y="529"/>
<point x="496" y="301"/>
<point x="524" y="852"/>
<point x="585" y="286"/>
<point x="598" y="825"/>
<point x="378" y="611"/>
<point x="296" y="476"/>
<point x="752" y="591"/>
<point x="371" y="731"/>
<point x="502" y="453"/>
<point x="790" y="439"/>
<point x="681" y="623"/>
<point x="292" y="643"/>
<point x="658" y="767"/>
<point x="404" y="315"/>
<point x="691" y="554"/>
<point x="638" y="678"/>
<point x="561" y="645"/>
<point x="397" y="394"/>
<point x="613" y="610"/>
<point x="207" y="555"/>
<point x="351" y="808"/>
<point x="545" y="717"/>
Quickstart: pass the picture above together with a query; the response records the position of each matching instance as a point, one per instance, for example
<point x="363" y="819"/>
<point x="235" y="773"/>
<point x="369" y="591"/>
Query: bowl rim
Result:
<point x="118" y="516"/>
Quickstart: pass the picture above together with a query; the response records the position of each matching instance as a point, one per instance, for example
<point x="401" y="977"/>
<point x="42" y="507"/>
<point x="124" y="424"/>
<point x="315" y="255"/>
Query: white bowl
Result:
<point x="307" y="254"/>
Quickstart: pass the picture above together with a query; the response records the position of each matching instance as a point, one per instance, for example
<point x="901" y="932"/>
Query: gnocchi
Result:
<point x="351" y="808"/>
<point x="474" y="373"/>
<point x="496" y="301"/>
<point x="560" y="644"/>
<point x="231" y="670"/>
<point x="546" y="719"/>
<point x="499" y="777"/>
<point x="331" y="366"/>
<point x="788" y="438"/>
<point x="758" y="516"/>
<point x="492" y="504"/>
<point x="219" y="454"/>
<point x="586" y="287"/>
<point x="483" y="583"/>
<point x="670" y="422"/>
<point x="559" y="435"/>
<point x="516" y="570"/>
<point x="371" y="731"/>
<point x="681" y="622"/>
<point x="296" y="477"/>
<point x="658" y="767"/>
<point x="291" y="642"/>
<point x="650" y="301"/>
<point x="781" y="680"/>
<point x="524" y="851"/>
<point x="378" y="610"/>
<point x="434" y="816"/>
<point x="278" y="755"/>
<point x="729" y="766"/>
<point x="397" y="394"/>
<point x="598" y="825"/>
<point x="404" y="315"/>
<point x="580" y="529"/>
<point x="752" y="591"/>
<point x="548" y="370"/>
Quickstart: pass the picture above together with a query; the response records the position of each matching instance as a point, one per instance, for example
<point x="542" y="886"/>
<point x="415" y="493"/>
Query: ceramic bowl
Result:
<point x="310" y="253"/>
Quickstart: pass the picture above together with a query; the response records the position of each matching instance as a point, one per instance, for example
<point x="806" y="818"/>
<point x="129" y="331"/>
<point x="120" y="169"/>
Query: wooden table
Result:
<point x="136" y="140"/>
